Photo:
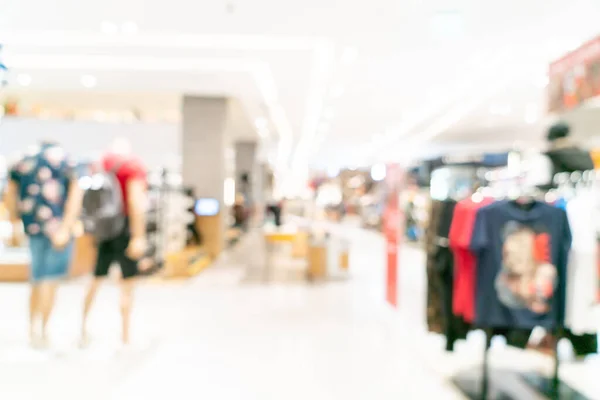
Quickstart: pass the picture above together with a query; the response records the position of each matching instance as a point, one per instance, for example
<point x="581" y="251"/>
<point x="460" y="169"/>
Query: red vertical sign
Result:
<point x="391" y="228"/>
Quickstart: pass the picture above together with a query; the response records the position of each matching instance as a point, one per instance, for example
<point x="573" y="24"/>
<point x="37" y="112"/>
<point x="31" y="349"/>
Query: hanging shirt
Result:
<point x="561" y="203"/>
<point x="43" y="177"/>
<point x="435" y="315"/>
<point x="581" y="314"/>
<point x="521" y="265"/>
<point x="463" y="301"/>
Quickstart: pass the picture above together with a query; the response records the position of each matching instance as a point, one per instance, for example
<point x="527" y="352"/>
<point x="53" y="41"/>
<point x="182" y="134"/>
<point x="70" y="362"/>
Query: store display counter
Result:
<point x="14" y="262"/>
<point x="186" y="263"/>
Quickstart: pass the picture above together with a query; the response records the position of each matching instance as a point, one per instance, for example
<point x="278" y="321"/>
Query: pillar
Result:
<point x="245" y="160"/>
<point x="203" y="144"/>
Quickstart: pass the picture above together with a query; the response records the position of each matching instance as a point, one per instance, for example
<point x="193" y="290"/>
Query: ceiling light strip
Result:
<point x="263" y="77"/>
<point x="260" y="72"/>
<point x="464" y="90"/>
<point x="56" y="39"/>
<point x="128" y="63"/>
<point x="449" y="119"/>
<point x="322" y="70"/>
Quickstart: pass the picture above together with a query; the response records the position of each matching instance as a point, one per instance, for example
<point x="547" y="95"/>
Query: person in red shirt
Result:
<point x="130" y="246"/>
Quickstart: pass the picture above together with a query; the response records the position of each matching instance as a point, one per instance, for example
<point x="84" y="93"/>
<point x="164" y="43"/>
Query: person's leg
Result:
<point x="47" y="296"/>
<point x="34" y="311"/>
<point x="126" y="303"/>
<point x="37" y="250"/>
<point x="129" y="271"/>
<point x="104" y="260"/>
<point x="277" y="213"/>
<point x="56" y="268"/>
<point x="87" y="306"/>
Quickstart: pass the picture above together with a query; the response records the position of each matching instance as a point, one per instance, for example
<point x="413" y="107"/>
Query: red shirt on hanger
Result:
<point x="463" y="220"/>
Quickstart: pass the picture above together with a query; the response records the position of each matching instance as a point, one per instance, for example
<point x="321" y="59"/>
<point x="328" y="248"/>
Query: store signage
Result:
<point x="462" y="159"/>
<point x="476" y="160"/>
<point x="575" y="78"/>
<point x="392" y="229"/>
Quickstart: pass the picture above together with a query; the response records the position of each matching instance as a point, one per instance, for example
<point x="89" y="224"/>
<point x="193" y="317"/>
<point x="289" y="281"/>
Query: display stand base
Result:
<point x="544" y="386"/>
<point x="502" y="385"/>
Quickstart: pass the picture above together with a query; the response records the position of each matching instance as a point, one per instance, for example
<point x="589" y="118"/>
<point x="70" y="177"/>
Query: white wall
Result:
<point x="157" y="144"/>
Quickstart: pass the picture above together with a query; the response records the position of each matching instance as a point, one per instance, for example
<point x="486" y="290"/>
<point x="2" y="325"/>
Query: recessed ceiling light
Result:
<point x="109" y="28"/>
<point x="24" y="79"/>
<point x="349" y="55"/>
<point x="500" y="109"/>
<point x="337" y="91"/>
<point x="390" y="133"/>
<point x="89" y="81"/>
<point x="333" y="171"/>
<point x="542" y="81"/>
<point x="378" y="138"/>
<point x="261" y="123"/>
<point x="531" y="119"/>
<point x="532" y="114"/>
<point x="378" y="172"/>
<point x="263" y="132"/>
<point x="448" y="24"/>
<point x="323" y="127"/>
<point x="129" y="28"/>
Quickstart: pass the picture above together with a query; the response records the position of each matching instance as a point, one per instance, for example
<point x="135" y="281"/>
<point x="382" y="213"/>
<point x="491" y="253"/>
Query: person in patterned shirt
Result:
<point x="44" y="195"/>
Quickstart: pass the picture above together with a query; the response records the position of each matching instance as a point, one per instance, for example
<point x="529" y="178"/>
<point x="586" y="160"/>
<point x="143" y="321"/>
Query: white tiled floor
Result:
<point x="218" y="338"/>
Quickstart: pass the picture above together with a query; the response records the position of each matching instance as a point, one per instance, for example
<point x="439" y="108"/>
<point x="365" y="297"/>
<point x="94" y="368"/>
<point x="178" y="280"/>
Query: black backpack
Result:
<point x="102" y="211"/>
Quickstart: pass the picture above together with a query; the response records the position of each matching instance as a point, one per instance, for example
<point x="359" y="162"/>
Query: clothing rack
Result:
<point x="553" y="388"/>
<point x="159" y="221"/>
<point x="154" y="229"/>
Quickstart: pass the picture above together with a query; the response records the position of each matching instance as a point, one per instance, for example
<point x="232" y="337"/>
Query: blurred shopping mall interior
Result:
<point x="341" y="199"/>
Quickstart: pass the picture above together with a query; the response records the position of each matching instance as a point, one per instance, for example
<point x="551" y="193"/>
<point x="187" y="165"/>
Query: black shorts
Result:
<point x="114" y="250"/>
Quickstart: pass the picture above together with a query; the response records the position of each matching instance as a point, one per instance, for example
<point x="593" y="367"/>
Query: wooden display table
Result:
<point x="211" y="230"/>
<point x="186" y="263"/>
<point x="317" y="262"/>
<point x="300" y="245"/>
<point x="14" y="272"/>
<point x="280" y="237"/>
<point x="14" y="263"/>
<point x="84" y="257"/>
<point x="272" y="239"/>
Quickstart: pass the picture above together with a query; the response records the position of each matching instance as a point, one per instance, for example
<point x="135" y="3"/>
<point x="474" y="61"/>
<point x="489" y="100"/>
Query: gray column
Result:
<point x="261" y="182"/>
<point x="203" y="145"/>
<point x="245" y="160"/>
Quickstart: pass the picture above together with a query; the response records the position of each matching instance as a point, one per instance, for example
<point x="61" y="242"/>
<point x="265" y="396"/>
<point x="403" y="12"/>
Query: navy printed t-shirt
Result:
<point x="43" y="178"/>
<point x="521" y="265"/>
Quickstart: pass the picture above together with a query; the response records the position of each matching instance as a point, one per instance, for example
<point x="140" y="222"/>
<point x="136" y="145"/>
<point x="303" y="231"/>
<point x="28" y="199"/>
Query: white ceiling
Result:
<point x="342" y="82"/>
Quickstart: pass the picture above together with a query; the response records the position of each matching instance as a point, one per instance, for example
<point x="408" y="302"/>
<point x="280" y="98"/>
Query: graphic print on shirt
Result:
<point x="528" y="278"/>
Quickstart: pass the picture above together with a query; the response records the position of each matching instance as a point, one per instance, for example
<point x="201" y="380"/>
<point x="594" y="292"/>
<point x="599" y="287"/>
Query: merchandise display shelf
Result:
<point x="14" y="264"/>
<point x="15" y="261"/>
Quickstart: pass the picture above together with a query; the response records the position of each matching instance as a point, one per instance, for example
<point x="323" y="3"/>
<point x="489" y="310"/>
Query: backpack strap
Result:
<point x="117" y="167"/>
